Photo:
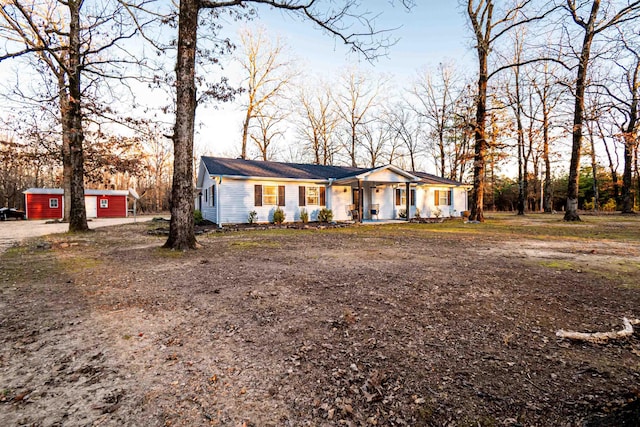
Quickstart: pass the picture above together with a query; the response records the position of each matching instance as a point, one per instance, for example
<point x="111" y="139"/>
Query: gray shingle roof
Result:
<point x="262" y="169"/>
<point x="434" y="179"/>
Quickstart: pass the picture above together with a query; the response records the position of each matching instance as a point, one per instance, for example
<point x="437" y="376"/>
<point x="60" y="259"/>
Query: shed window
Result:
<point x="53" y="203"/>
<point x="104" y="203"/>
<point x="442" y="197"/>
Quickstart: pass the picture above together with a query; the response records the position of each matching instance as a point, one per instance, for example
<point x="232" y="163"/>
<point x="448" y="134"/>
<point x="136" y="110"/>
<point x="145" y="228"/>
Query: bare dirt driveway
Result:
<point x="12" y="232"/>
<point x="401" y="325"/>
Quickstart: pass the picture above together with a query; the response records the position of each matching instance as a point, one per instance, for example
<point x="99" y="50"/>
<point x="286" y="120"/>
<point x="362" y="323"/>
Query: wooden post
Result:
<point x="408" y="201"/>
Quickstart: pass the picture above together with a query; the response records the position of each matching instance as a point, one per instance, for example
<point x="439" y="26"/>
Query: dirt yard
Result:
<point x="401" y="325"/>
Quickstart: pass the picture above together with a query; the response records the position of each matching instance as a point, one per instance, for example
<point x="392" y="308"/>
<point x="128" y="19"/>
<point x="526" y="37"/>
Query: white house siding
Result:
<point x="236" y="199"/>
<point x="208" y="211"/>
<point x="460" y="200"/>
<point x="425" y="201"/>
<point x="338" y="198"/>
<point x="385" y="196"/>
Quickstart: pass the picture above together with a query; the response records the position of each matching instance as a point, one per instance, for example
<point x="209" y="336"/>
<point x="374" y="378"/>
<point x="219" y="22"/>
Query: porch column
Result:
<point x="408" y="200"/>
<point x="360" y="201"/>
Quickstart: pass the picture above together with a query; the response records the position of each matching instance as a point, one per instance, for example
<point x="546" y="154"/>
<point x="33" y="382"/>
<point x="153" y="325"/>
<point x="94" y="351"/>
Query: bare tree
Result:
<point x="357" y="98"/>
<point x="318" y="122"/>
<point x="436" y="94"/>
<point x="375" y="138"/>
<point x="489" y="26"/>
<point x="627" y="104"/>
<point x="592" y="20"/>
<point x="339" y="21"/>
<point x="549" y="95"/>
<point x="268" y="130"/>
<point x="267" y="75"/>
<point x="407" y="128"/>
<point x="66" y="41"/>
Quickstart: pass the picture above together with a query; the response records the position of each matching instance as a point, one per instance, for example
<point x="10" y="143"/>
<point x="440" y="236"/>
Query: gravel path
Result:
<point x="12" y="231"/>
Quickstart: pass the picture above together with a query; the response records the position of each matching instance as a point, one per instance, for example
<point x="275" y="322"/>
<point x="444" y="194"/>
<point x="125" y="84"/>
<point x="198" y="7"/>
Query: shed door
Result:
<point x="91" y="205"/>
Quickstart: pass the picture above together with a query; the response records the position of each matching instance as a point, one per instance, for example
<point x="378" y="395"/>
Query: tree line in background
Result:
<point x="548" y="72"/>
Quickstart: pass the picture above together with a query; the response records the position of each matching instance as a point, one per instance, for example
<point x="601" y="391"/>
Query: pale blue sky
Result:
<point x="432" y="31"/>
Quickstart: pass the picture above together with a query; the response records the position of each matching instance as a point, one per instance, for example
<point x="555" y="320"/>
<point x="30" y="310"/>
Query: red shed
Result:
<point x="47" y="203"/>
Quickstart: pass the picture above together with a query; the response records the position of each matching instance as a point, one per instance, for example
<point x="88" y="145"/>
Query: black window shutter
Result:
<point x="257" y="199"/>
<point x="450" y="197"/>
<point x="281" y="195"/>
<point x="413" y="197"/>
<point x="323" y="197"/>
<point x="301" y="196"/>
<point x="436" y="198"/>
<point x="398" y="196"/>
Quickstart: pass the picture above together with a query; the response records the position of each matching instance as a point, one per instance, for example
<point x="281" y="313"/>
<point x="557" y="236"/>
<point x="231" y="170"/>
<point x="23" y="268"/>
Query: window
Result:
<point x="269" y="195"/>
<point x="212" y="196"/>
<point x="53" y="203"/>
<point x="104" y="203"/>
<point x="313" y="195"/>
<point x="442" y="197"/>
<point x="401" y="197"/>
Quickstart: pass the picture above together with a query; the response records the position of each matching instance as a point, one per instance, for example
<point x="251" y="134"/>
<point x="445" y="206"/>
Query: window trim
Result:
<point x="104" y="203"/>
<point x="53" y="201"/>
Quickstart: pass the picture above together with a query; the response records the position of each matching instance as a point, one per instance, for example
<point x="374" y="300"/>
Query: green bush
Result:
<point x="253" y="216"/>
<point x="278" y="216"/>
<point x="325" y="215"/>
<point x="304" y="216"/>
<point x="197" y="217"/>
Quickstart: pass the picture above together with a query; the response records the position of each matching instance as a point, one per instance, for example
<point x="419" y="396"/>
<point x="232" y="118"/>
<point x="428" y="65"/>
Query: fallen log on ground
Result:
<point x="601" y="337"/>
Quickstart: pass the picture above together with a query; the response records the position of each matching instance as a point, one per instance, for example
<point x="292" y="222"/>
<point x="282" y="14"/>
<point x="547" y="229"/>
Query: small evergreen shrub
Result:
<point x="304" y="216"/>
<point x="278" y="216"/>
<point x="325" y="215"/>
<point x="197" y="217"/>
<point x="253" y="216"/>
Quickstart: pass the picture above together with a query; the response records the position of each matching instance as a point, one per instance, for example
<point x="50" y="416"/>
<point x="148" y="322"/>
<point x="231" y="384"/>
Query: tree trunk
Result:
<point x="245" y="131"/>
<point x="627" y="194"/>
<point x="181" y="230"/>
<point x="571" y="213"/>
<point x="630" y="143"/>
<point x="78" y="213"/>
<point x="477" y="194"/>
<point x="67" y="171"/>
<point x="594" y="172"/>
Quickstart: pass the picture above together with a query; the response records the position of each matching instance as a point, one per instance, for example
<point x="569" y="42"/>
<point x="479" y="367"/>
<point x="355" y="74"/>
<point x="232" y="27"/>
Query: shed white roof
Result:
<point x="87" y="192"/>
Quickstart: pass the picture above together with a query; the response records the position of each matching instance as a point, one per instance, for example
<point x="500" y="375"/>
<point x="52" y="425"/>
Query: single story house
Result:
<point x="47" y="203"/>
<point x="229" y="189"/>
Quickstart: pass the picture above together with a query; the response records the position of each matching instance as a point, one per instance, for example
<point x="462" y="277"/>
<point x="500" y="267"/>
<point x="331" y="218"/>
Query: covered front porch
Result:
<point x="380" y="194"/>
